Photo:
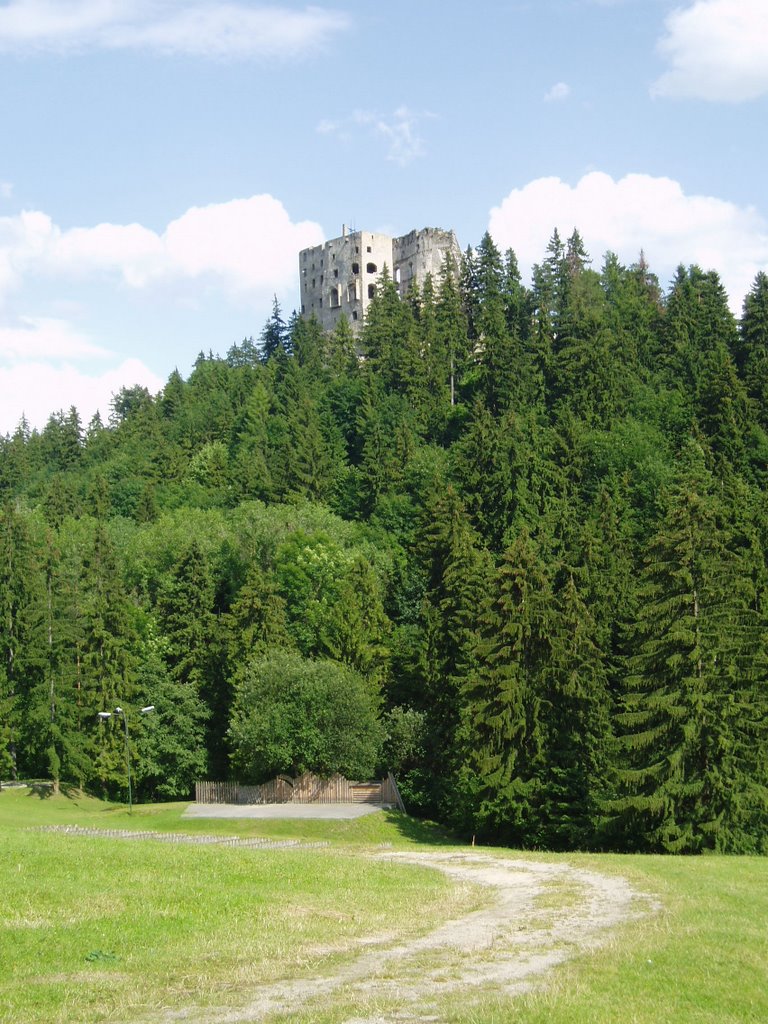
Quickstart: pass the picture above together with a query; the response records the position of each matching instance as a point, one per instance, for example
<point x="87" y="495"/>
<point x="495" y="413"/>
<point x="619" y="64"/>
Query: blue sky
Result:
<point x="163" y="161"/>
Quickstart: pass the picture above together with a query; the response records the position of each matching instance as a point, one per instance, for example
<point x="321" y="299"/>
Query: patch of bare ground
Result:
<point x="539" y="915"/>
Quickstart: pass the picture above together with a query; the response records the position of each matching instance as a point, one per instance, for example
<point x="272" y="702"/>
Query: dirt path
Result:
<point x="539" y="915"/>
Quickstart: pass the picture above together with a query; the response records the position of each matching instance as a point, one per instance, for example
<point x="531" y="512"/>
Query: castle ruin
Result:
<point x="339" y="276"/>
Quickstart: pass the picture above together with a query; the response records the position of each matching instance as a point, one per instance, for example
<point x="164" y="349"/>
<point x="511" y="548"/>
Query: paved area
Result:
<point x="340" y="811"/>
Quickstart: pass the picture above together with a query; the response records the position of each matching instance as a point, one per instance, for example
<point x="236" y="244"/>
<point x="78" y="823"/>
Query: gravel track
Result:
<point x="508" y="945"/>
<point x="538" y="915"/>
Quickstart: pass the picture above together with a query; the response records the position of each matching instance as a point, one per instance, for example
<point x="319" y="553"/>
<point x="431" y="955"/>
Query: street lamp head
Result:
<point x="105" y="714"/>
<point x="148" y="709"/>
<point x="118" y="711"/>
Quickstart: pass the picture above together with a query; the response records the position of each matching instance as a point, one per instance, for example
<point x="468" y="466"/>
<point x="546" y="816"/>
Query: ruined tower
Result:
<point x="340" y="275"/>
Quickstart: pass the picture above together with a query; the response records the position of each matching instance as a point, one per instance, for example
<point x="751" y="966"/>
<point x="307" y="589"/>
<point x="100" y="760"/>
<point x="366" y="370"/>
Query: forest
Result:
<point x="509" y="543"/>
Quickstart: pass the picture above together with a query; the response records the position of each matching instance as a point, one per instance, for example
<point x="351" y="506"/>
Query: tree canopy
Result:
<point x="510" y="540"/>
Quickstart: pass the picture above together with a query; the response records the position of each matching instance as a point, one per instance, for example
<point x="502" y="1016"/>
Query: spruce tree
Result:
<point x="693" y="719"/>
<point x="752" y="349"/>
<point x="452" y="341"/>
<point x="274" y="338"/>
<point x="575" y="773"/>
<point x="502" y="735"/>
<point x="188" y="630"/>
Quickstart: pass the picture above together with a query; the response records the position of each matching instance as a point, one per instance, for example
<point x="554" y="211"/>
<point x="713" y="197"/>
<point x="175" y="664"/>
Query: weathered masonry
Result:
<point x="340" y="275"/>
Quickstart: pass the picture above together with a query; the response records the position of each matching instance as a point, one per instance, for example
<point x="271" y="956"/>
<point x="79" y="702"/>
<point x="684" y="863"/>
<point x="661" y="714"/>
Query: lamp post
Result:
<point x="104" y="715"/>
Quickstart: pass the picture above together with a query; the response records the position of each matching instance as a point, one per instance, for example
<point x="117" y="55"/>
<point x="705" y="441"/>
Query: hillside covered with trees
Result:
<point x="510" y="543"/>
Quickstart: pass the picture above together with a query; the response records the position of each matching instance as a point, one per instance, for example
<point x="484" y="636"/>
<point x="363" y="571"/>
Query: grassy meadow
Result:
<point x="100" y="929"/>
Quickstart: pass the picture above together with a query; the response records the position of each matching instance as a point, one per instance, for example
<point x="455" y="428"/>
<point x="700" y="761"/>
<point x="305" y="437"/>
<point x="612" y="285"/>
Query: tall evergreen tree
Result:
<point x="503" y="740"/>
<point x="752" y="347"/>
<point x="575" y="774"/>
<point x="190" y="642"/>
<point x="693" y="722"/>
<point x="274" y="338"/>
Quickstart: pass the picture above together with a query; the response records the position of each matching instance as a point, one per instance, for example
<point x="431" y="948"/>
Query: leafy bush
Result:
<point x="292" y="714"/>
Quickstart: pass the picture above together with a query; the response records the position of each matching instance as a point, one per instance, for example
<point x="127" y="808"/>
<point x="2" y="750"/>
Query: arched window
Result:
<point x="355" y="268"/>
<point x="370" y="268"/>
<point x="335" y="303"/>
<point x="371" y="291"/>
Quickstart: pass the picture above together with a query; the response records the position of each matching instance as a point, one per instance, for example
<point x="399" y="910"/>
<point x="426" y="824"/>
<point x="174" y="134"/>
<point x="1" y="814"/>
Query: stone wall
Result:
<point x="339" y="276"/>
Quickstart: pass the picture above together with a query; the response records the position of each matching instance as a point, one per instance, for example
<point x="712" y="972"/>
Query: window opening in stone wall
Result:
<point x="313" y="282"/>
<point x="368" y="248"/>
<point x="303" y="308"/>
<point x="397" y="275"/>
<point x="335" y="303"/>
<point x="370" y="268"/>
<point x="351" y="296"/>
<point x="371" y="291"/>
<point x="336" y="273"/>
<point x="355" y="268"/>
<point x="354" y="314"/>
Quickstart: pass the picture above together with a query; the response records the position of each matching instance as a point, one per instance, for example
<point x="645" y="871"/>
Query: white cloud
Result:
<point x="637" y="212"/>
<point x="23" y="240"/>
<point x="44" y="338"/>
<point x="718" y="50"/>
<point x="36" y="389"/>
<point x="399" y="130"/>
<point x="194" y="27"/>
<point x="245" y="245"/>
<point x="559" y="91"/>
<point x="249" y="243"/>
<point x="401" y="133"/>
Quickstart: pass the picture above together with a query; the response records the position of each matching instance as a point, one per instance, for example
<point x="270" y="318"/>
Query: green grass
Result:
<point x="24" y="807"/>
<point x="105" y="929"/>
<point x="97" y="929"/>
<point x="702" y="959"/>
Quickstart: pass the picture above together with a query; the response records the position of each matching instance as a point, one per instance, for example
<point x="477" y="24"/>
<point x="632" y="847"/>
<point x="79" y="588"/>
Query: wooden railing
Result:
<point x="306" y="789"/>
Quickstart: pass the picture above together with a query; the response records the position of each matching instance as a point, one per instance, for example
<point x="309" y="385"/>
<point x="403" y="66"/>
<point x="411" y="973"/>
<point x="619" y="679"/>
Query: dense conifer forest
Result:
<point x="509" y="543"/>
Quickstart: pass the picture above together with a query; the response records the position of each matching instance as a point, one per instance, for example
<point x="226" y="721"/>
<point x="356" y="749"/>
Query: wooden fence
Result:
<point x="306" y="789"/>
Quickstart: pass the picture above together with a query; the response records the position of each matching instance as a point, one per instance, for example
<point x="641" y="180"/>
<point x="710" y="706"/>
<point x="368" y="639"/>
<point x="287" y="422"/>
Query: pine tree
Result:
<point x="107" y="664"/>
<point x="256" y="622"/>
<point x="587" y="375"/>
<point x="752" y="348"/>
<point x="189" y="637"/>
<point x="697" y="320"/>
<point x="457" y="573"/>
<point x="308" y="345"/>
<point x="451" y="329"/>
<point x="274" y="339"/>
<point x="307" y="460"/>
<point x="379" y="419"/>
<point x="252" y="456"/>
<point x="722" y="407"/>
<point x="503" y="741"/>
<point x="693" y="722"/>
<point x="575" y="774"/>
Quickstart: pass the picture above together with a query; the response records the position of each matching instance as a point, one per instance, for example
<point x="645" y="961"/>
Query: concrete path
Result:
<point x="341" y="811"/>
